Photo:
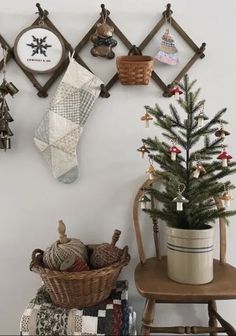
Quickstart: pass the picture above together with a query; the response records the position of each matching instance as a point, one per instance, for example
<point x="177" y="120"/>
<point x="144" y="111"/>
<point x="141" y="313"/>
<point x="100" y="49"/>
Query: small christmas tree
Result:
<point x="192" y="168"/>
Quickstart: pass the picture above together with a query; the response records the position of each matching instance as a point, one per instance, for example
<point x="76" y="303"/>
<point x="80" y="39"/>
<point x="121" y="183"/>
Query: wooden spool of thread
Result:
<point x="74" y="264"/>
<point x="64" y="249"/>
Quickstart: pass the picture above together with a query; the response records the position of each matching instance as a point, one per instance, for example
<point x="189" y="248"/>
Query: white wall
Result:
<point x="109" y="166"/>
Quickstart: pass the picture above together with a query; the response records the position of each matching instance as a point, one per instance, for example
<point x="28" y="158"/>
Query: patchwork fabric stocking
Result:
<point x="60" y="129"/>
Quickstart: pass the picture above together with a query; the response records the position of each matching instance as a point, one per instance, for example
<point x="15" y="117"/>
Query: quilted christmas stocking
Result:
<point x="60" y="129"/>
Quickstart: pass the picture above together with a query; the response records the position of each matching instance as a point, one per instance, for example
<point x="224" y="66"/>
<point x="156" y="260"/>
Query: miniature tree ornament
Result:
<point x="221" y="132"/>
<point x="201" y="117"/>
<point x="180" y="199"/>
<point x="175" y="91"/>
<point x="143" y="150"/>
<point x="174" y="151"/>
<point x="146" y="117"/>
<point x="224" y="157"/>
<point x="151" y="171"/>
<point x="144" y="202"/>
<point x="198" y="169"/>
<point x="226" y="198"/>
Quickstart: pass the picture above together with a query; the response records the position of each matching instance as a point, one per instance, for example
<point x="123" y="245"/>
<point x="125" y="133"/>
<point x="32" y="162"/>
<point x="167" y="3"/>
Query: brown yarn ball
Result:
<point x="106" y="254"/>
<point x="63" y="249"/>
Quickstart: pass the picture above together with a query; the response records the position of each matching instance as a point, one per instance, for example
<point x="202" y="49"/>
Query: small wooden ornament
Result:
<point x="106" y="254"/>
<point x="143" y="150"/>
<point x="180" y="199"/>
<point x="173" y="152"/>
<point x="226" y="199"/>
<point x="221" y="132"/>
<point x="144" y="202"/>
<point x="146" y="117"/>
<point x="176" y="92"/>
<point x="151" y="171"/>
<point x="224" y="157"/>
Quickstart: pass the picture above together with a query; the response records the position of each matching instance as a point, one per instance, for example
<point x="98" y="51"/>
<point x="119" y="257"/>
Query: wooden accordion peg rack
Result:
<point x="167" y="15"/>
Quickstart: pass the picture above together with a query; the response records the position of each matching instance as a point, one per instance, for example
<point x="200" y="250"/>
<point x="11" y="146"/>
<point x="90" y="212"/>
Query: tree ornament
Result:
<point x="198" y="169"/>
<point x="224" y="157"/>
<point x="145" y="201"/>
<point x="175" y="91"/>
<point x="151" y="171"/>
<point x="226" y="198"/>
<point x="146" y="117"/>
<point x="143" y="150"/>
<point x="201" y="117"/>
<point x="174" y="151"/>
<point x="5" y="117"/>
<point x="167" y="51"/>
<point x="102" y="39"/>
<point x="221" y="132"/>
<point x="180" y="199"/>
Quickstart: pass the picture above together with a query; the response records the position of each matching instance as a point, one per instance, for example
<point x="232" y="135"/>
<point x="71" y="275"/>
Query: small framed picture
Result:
<point x="38" y="49"/>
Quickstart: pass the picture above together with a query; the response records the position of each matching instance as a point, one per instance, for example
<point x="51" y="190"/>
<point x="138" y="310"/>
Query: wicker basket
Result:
<point x="134" y="70"/>
<point x="78" y="289"/>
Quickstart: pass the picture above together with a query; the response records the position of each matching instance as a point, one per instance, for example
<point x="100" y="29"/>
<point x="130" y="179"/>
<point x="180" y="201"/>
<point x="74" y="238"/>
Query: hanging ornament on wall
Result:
<point x="221" y="132"/>
<point x="201" y="117"/>
<point x="180" y="199"/>
<point x="168" y="51"/>
<point x="146" y="118"/>
<point x="151" y="171"/>
<point x="143" y="150"/>
<point x="226" y="198"/>
<point x="198" y="169"/>
<point x="102" y="39"/>
<point x="174" y="151"/>
<point x="5" y="117"/>
<point x="38" y="48"/>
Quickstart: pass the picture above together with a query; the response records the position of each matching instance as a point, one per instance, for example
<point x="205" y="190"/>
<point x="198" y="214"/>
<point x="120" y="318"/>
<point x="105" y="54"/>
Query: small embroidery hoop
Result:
<point x="46" y="28"/>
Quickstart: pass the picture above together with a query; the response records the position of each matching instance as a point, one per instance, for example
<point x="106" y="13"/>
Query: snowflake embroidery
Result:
<point x="39" y="45"/>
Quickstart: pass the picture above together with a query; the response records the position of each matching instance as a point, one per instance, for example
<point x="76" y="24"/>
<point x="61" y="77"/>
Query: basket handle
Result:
<point x="134" y="51"/>
<point x="37" y="255"/>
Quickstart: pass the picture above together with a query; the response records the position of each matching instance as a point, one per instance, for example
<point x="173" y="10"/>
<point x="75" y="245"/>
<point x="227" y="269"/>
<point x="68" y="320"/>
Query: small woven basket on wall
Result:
<point x="134" y="69"/>
<point x="78" y="289"/>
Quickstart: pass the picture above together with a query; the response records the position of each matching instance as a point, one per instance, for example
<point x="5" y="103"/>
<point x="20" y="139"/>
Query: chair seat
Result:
<point x="152" y="282"/>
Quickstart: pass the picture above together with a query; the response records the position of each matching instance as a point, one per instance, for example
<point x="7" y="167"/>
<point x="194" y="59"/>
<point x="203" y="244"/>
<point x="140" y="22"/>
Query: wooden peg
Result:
<point x="105" y="12"/>
<point x="201" y="50"/>
<point x="168" y="12"/>
<point x="42" y="13"/>
<point x="104" y="92"/>
<point x="62" y="232"/>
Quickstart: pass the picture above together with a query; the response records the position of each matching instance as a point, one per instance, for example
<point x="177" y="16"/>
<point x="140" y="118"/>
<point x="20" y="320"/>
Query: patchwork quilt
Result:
<point x="111" y="317"/>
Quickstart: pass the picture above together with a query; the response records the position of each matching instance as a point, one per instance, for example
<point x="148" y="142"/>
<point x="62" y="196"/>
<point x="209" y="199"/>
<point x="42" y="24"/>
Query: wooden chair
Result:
<point x="153" y="284"/>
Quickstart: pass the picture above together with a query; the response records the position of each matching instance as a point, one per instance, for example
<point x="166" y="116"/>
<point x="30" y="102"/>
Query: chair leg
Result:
<point x="148" y="317"/>
<point x="212" y="319"/>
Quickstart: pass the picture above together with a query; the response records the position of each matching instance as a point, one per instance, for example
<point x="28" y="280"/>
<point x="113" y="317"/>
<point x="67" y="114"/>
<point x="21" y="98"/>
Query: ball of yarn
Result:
<point x="106" y="254"/>
<point x="63" y="249"/>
